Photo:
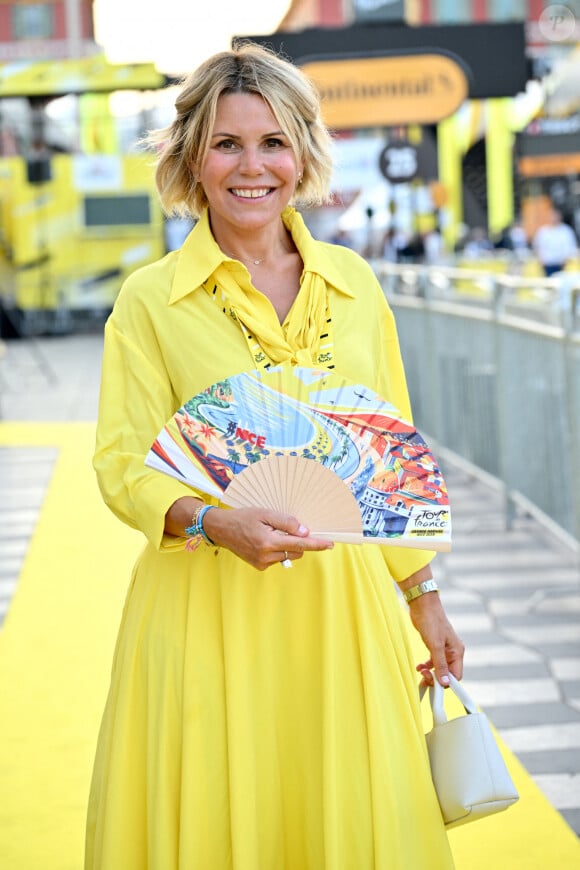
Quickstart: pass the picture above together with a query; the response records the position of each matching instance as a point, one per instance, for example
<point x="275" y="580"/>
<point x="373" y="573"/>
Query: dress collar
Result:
<point x="200" y="256"/>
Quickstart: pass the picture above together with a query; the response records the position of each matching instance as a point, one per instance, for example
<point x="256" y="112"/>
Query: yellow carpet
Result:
<point x="55" y="653"/>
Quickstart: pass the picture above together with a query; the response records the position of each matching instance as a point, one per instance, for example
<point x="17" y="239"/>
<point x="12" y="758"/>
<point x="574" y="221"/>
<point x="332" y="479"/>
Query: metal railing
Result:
<point x="493" y="369"/>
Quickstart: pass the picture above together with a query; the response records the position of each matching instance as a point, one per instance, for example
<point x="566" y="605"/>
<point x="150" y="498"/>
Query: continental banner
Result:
<point x="390" y="90"/>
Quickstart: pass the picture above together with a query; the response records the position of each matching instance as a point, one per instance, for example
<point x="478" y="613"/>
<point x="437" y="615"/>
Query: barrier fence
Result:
<point x="493" y="368"/>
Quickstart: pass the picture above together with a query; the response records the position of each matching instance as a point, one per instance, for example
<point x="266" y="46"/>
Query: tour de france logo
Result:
<point x="557" y="23"/>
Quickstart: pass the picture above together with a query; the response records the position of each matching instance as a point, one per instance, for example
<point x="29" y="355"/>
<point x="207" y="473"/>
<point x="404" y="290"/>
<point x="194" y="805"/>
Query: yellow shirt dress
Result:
<point x="255" y="720"/>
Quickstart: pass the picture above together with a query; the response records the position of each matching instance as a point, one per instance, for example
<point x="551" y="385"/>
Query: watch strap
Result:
<point x="420" y="589"/>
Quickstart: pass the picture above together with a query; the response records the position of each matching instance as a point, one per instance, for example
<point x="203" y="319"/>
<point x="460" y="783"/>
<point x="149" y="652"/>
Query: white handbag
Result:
<point x="469" y="773"/>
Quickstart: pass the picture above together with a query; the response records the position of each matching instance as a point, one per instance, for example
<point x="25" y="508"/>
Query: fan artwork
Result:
<point x="310" y="443"/>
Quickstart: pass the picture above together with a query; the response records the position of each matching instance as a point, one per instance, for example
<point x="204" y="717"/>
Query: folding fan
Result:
<point x="310" y="443"/>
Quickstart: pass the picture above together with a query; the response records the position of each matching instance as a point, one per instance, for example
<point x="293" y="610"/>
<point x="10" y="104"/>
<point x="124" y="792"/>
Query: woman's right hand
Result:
<point x="259" y="536"/>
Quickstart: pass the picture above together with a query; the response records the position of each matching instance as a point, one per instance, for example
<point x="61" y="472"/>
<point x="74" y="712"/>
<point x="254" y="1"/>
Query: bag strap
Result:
<point x="437" y="699"/>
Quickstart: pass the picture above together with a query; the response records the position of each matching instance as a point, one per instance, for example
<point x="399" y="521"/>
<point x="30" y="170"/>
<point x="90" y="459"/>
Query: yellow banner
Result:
<point x="81" y="76"/>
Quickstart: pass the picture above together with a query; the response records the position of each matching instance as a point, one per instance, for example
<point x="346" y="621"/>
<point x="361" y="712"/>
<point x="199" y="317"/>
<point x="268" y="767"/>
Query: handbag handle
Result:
<point x="437" y="699"/>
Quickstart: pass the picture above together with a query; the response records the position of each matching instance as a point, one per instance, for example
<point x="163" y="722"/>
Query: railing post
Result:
<point x="499" y="291"/>
<point x="575" y="310"/>
<point x="434" y="410"/>
<point x="572" y="393"/>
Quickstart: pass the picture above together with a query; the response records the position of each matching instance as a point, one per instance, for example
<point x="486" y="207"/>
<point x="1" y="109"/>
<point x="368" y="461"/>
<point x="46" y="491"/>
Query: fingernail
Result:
<point x="445" y="680"/>
<point x="302" y="530"/>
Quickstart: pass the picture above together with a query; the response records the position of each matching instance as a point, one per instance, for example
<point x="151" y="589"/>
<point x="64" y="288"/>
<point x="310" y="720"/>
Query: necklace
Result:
<point x="244" y="259"/>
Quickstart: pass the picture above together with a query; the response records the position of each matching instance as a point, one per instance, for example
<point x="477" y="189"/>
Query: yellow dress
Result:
<point x="255" y="721"/>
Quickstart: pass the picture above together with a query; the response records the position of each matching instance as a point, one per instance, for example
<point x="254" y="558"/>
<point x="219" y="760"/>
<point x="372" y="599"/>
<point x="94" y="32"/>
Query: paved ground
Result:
<point x="514" y="595"/>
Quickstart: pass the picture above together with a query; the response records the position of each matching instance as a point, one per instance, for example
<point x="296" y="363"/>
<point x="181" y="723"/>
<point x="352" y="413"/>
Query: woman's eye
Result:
<point x="226" y="145"/>
<point x="274" y="143"/>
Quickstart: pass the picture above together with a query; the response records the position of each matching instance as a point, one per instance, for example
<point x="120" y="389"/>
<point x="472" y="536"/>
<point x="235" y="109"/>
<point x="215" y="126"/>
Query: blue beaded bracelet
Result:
<point x="195" y="532"/>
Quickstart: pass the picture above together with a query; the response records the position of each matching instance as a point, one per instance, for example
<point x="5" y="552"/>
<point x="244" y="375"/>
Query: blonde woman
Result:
<point x="257" y="717"/>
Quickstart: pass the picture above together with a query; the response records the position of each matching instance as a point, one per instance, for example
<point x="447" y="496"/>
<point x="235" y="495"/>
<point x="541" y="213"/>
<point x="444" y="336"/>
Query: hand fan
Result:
<point x="310" y="443"/>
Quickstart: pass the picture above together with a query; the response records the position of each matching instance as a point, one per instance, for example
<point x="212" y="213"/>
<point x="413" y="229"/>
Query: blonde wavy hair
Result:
<point x="247" y="69"/>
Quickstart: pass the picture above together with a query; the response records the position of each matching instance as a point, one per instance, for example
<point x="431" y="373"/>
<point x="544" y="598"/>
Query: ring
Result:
<point x="286" y="563"/>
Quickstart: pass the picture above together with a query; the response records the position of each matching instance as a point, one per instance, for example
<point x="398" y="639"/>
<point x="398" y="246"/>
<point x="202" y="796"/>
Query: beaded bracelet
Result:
<point x="195" y="531"/>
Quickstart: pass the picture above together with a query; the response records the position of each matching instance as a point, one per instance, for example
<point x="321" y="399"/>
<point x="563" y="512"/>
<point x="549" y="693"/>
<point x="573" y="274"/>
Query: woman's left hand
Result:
<point x="445" y="647"/>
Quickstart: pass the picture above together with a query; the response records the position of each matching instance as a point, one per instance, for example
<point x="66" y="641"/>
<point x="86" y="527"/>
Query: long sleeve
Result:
<point x="136" y="400"/>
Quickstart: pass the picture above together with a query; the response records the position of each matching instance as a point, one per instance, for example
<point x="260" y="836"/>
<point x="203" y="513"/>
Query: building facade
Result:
<point x="46" y="30"/>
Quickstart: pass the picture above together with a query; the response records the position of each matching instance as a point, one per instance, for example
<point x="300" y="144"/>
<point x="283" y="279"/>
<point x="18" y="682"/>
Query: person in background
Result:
<point x="392" y="242"/>
<point x="518" y="238"/>
<point x="555" y="243"/>
<point x="433" y="247"/>
<point x="257" y="717"/>
<point x="413" y="250"/>
<point x="478" y="243"/>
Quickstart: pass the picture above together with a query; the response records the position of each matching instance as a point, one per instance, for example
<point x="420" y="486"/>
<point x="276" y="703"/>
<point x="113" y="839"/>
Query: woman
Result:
<point x="257" y="717"/>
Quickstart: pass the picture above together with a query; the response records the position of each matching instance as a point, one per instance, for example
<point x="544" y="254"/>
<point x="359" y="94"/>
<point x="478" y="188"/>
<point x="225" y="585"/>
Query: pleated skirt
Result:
<point x="263" y="721"/>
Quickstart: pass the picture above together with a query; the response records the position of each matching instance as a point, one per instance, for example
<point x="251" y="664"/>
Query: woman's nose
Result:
<point x="251" y="161"/>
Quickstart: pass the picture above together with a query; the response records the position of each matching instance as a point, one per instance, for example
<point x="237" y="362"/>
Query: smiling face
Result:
<point x="249" y="174"/>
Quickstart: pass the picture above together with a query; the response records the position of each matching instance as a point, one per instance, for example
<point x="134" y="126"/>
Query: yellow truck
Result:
<point x="75" y="217"/>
